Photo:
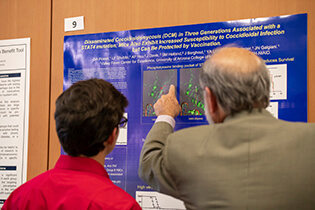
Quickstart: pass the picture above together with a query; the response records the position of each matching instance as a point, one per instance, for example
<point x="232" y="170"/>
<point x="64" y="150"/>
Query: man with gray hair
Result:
<point x="245" y="158"/>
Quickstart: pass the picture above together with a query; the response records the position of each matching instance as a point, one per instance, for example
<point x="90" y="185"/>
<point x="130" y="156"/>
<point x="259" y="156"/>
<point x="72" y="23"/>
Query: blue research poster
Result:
<point x="143" y="63"/>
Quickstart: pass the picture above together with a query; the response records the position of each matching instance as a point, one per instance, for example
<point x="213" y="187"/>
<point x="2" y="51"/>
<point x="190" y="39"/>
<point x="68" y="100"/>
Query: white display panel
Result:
<point x="14" y="113"/>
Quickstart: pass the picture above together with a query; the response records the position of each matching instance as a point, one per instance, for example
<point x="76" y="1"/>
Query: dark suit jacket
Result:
<point x="250" y="161"/>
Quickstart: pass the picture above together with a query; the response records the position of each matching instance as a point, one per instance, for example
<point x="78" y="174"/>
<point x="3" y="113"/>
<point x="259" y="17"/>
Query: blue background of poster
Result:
<point x="143" y="63"/>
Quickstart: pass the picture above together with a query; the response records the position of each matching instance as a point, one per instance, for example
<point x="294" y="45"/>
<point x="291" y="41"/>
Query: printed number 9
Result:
<point x="74" y="24"/>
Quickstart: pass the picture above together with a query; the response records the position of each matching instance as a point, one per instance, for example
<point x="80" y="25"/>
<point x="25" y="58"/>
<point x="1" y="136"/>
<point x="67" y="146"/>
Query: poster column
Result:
<point x="14" y="107"/>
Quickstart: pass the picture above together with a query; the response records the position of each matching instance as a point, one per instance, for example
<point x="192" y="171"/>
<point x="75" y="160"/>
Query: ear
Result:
<point x="113" y="137"/>
<point x="211" y="101"/>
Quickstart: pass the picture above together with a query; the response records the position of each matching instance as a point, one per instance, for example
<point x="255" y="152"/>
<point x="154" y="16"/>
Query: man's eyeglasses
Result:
<point x="123" y="122"/>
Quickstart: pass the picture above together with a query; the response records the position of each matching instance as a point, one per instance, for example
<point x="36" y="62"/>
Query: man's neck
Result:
<point x="100" y="157"/>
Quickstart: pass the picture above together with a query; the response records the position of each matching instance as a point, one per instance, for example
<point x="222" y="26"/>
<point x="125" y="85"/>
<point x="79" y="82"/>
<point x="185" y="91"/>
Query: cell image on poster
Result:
<point x="155" y="84"/>
<point x="191" y="99"/>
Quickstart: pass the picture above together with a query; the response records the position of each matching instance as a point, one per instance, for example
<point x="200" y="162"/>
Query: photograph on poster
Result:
<point x="156" y="84"/>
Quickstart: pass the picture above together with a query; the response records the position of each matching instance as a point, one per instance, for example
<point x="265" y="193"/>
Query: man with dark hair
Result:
<point x="245" y="158"/>
<point x="88" y="116"/>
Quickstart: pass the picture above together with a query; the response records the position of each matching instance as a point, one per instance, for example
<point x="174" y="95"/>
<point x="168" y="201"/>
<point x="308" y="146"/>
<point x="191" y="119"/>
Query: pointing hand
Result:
<point x="168" y="104"/>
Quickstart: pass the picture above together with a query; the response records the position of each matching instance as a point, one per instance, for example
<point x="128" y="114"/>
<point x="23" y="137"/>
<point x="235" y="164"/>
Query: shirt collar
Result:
<point x="80" y="164"/>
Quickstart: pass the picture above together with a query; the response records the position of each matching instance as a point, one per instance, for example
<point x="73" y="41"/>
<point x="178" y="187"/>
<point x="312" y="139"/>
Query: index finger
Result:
<point x="171" y="91"/>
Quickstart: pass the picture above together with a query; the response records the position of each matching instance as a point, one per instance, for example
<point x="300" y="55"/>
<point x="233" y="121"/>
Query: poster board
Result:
<point x="14" y="111"/>
<point x="143" y="63"/>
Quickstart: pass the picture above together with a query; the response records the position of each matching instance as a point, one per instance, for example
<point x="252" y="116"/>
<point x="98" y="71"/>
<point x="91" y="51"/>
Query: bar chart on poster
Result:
<point x="155" y="200"/>
<point x="278" y="81"/>
<point x="143" y="63"/>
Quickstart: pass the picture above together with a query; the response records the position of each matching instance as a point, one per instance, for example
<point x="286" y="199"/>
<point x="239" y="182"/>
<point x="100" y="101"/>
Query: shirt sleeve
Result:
<point x="153" y="165"/>
<point x="166" y="118"/>
<point x="12" y="202"/>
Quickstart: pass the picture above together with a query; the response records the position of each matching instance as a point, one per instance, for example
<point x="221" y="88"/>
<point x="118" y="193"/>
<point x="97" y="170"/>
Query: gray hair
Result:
<point x="235" y="90"/>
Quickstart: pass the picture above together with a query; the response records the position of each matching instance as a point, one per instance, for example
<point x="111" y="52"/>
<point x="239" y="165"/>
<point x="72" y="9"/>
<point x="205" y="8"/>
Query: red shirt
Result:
<point x="74" y="183"/>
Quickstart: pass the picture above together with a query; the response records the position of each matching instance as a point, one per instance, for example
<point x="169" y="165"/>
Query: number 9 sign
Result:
<point x="74" y="24"/>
